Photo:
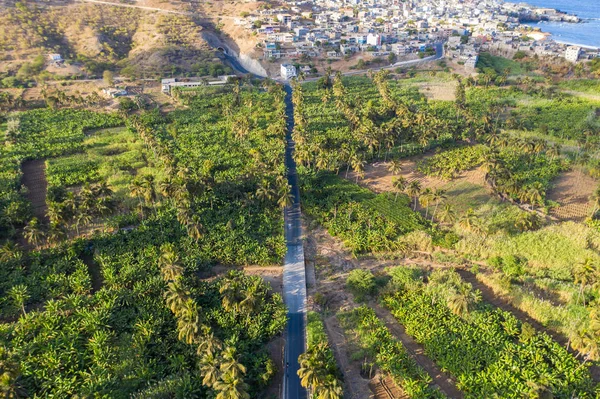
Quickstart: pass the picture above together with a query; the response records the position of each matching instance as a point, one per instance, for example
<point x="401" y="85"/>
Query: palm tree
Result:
<point x="468" y="220"/>
<point x="309" y="372"/>
<point x="19" y="296"/>
<point x="437" y="196"/>
<point x="425" y="199"/>
<point x="447" y="214"/>
<point x="462" y="300"/>
<point x="168" y="262"/>
<point x="195" y="228"/>
<point x="395" y="167"/>
<point x="56" y="233"/>
<point x="399" y="184"/>
<point x="188" y="321"/>
<point x="209" y="368"/>
<point x="137" y="190"/>
<point x="253" y="296"/>
<point x="413" y="190"/>
<point x="230" y="364"/>
<point x="231" y="387"/>
<point x="176" y="295"/>
<point x="535" y="194"/>
<point x="209" y="343"/>
<point x="358" y="166"/>
<point x="33" y="232"/>
<point x="230" y="291"/>
<point x="585" y="273"/>
<point x="331" y="389"/>
<point x="286" y="198"/>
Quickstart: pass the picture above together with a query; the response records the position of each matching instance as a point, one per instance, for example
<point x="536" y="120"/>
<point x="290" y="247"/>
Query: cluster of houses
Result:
<point x="340" y="28"/>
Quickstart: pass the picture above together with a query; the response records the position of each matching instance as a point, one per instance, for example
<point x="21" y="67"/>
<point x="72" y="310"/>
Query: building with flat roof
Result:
<point x="288" y="71"/>
<point x="572" y="53"/>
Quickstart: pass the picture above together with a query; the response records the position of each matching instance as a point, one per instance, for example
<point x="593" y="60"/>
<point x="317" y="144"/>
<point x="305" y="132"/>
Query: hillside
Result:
<point x="99" y="36"/>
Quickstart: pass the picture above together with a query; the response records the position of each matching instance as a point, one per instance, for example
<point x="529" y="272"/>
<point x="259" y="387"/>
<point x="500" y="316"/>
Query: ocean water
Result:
<point x="586" y="33"/>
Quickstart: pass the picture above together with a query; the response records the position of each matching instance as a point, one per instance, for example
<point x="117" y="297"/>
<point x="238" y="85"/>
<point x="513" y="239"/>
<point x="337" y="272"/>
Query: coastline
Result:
<point x="567" y="32"/>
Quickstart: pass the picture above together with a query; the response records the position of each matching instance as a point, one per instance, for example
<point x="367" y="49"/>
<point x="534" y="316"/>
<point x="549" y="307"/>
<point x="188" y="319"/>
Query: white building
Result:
<point x="288" y="71"/>
<point x="572" y="53"/>
<point x="373" y="40"/>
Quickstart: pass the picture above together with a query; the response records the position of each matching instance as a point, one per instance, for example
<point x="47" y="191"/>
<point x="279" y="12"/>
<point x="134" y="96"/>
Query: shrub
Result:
<point x="361" y="283"/>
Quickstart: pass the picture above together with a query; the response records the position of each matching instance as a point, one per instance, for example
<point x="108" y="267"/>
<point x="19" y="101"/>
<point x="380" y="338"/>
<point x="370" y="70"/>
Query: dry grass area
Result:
<point x="444" y="91"/>
<point x="379" y="179"/>
<point x="572" y="190"/>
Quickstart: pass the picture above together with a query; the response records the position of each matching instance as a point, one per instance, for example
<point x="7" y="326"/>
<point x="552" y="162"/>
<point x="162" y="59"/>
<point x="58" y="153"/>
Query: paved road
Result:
<point x="294" y="273"/>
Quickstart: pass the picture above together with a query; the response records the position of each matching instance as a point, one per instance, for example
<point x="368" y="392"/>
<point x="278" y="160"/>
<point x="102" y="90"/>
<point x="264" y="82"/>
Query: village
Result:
<point x="390" y="30"/>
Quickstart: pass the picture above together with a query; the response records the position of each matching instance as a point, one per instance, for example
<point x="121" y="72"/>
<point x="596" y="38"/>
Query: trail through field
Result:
<point x="384" y="387"/>
<point x="34" y="178"/>
<point x="572" y="190"/>
<point x="441" y="379"/>
<point x="334" y="262"/>
<point x="94" y="271"/>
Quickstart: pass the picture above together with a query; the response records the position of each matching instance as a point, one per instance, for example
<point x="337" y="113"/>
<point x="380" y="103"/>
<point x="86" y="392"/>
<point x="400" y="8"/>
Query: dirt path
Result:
<point x="445" y="383"/>
<point x="94" y="271"/>
<point x="572" y="190"/>
<point x="332" y="262"/>
<point x="34" y="178"/>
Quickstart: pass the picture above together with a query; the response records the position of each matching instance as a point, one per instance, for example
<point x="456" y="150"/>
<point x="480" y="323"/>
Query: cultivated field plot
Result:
<point x="572" y="190"/>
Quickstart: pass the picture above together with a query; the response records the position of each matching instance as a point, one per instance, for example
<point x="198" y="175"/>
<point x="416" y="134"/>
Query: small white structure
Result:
<point x="471" y="62"/>
<point x="572" y="53"/>
<point x="288" y="71"/>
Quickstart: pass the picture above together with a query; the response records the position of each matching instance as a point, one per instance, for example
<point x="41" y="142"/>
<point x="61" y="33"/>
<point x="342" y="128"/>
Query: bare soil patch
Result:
<point x="572" y="190"/>
<point x="444" y="91"/>
<point x="378" y="178"/>
<point x="34" y="178"/>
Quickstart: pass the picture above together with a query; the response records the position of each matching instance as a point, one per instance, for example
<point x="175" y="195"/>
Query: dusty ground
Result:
<point x="572" y="190"/>
<point x="438" y="90"/>
<point x="379" y="179"/>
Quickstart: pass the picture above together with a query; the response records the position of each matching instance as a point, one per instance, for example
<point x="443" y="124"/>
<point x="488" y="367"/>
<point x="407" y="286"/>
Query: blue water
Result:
<point x="586" y="33"/>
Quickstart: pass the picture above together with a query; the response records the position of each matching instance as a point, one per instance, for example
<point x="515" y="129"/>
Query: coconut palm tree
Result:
<point x="230" y="364"/>
<point x="585" y="274"/>
<point x="413" y="190"/>
<point x="176" y="295"/>
<point x="395" y="167"/>
<point x="230" y="293"/>
<point x="447" y="214"/>
<point x="310" y="371"/>
<point x="188" y="321"/>
<point x="437" y="196"/>
<point x="399" y="184"/>
<point x="231" y="387"/>
<point x="462" y="299"/>
<point x="168" y="263"/>
<point x="331" y="389"/>
<point x="209" y="368"/>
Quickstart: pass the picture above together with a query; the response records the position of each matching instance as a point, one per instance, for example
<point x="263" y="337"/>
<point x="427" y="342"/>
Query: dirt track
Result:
<point x="34" y="178"/>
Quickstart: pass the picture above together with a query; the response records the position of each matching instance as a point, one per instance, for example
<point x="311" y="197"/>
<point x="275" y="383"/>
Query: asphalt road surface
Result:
<point x="294" y="274"/>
